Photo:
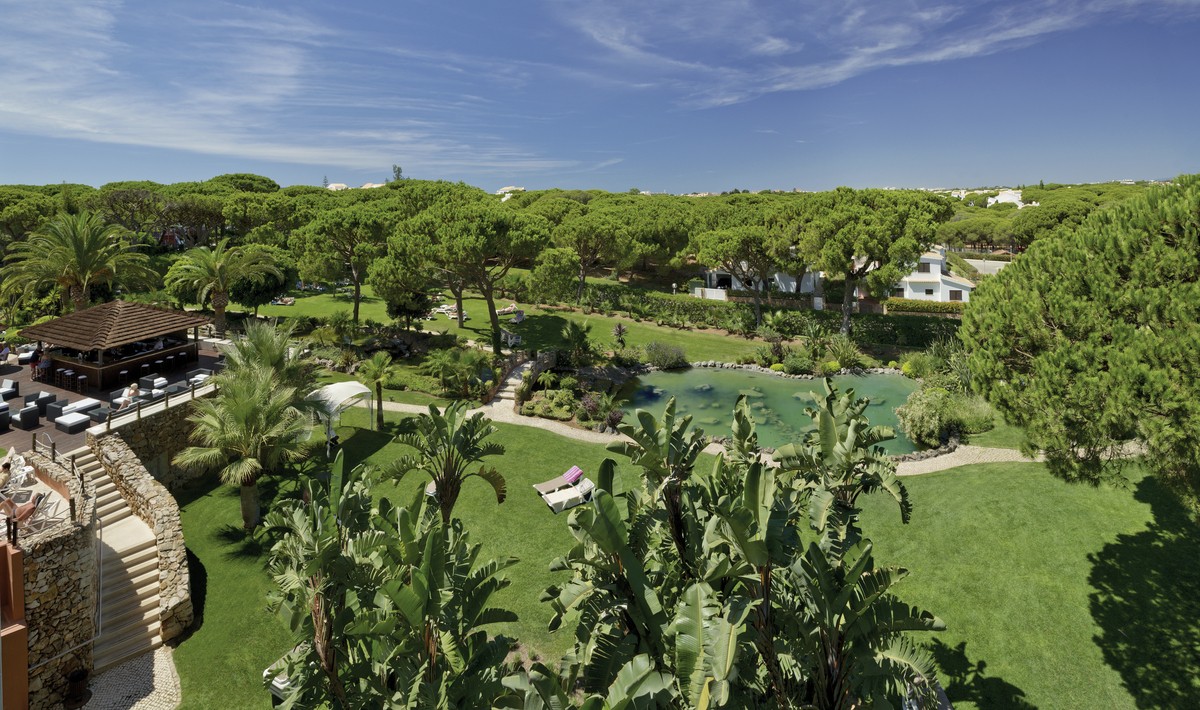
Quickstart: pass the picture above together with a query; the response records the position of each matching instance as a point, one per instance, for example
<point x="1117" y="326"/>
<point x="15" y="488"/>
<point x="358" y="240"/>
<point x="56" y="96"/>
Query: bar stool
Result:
<point x="80" y="383"/>
<point x="170" y="360"/>
<point x="145" y="369"/>
<point x="123" y="376"/>
<point x="58" y="376"/>
<point x="158" y="365"/>
<point x="68" y="377"/>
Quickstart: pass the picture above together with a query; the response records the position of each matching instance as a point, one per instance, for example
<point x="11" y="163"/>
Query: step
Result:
<point x="113" y="511"/>
<point x="115" y="574"/>
<point x="131" y="611"/>
<point x="131" y="556"/>
<point x="119" y="651"/>
<point x="123" y="605"/>
<point x="126" y="584"/>
<point x="144" y="614"/>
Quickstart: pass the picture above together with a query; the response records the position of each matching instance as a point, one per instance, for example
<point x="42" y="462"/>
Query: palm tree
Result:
<point x="446" y="446"/>
<point x="211" y="272"/>
<point x="577" y="339"/>
<point x="270" y="346"/>
<point x="457" y="370"/>
<point x="375" y="373"/>
<point x="77" y="252"/>
<point x="248" y="430"/>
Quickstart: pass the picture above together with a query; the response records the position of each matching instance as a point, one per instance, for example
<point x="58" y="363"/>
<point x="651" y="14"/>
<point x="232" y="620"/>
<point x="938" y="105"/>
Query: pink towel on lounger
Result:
<point x="573" y="474"/>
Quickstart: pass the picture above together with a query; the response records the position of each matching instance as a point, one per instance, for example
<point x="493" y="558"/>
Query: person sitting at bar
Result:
<point x="158" y="344"/>
<point x="43" y="367"/>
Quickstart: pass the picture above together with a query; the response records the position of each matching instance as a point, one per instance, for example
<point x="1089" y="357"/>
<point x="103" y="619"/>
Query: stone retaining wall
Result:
<point x="60" y="589"/>
<point x="153" y="504"/>
<point x="157" y="437"/>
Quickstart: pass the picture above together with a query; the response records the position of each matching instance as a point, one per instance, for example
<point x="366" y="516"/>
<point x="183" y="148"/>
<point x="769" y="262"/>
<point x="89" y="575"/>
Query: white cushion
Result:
<point x="72" y="418"/>
<point x="81" y="405"/>
<point x="160" y="383"/>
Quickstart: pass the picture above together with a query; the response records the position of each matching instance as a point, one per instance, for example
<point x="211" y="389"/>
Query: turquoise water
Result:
<point x="777" y="403"/>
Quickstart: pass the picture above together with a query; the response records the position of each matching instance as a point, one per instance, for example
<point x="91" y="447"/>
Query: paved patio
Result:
<point x="46" y="432"/>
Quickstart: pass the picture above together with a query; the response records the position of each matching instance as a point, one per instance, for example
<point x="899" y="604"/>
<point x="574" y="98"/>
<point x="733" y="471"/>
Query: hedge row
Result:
<point x="914" y="305"/>
<point x="685" y="311"/>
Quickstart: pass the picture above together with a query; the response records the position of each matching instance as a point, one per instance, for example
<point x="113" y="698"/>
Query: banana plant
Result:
<point x="389" y="605"/>
<point x="751" y="534"/>
<point x="666" y="452"/>
<point x="855" y="628"/>
<point x="839" y="461"/>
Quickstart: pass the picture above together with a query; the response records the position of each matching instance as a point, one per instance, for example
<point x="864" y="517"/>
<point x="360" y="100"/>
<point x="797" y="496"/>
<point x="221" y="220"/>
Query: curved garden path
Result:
<point x="501" y="410"/>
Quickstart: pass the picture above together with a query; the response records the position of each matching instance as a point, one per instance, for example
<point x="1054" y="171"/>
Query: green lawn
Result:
<point x="540" y="330"/>
<point x="1055" y="595"/>
<point x="1002" y="436"/>
<point x="522" y="526"/>
<point x="221" y="663"/>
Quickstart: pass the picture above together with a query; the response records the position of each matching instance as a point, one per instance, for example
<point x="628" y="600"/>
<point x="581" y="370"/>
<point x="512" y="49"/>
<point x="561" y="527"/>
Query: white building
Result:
<point x="717" y="284"/>
<point x="932" y="281"/>
<point x="1010" y="197"/>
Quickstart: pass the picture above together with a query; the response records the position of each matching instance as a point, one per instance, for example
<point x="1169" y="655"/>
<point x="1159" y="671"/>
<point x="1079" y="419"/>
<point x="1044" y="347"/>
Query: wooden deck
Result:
<point x="46" y="432"/>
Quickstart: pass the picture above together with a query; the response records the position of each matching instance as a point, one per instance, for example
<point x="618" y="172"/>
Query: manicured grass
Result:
<point x="325" y="377"/>
<point x="540" y="330"/>
<point x="221" y="663"/>
<point x="1054" y="595"/>
<point x="522" y="526"/>
<point x="1002" y="436"/>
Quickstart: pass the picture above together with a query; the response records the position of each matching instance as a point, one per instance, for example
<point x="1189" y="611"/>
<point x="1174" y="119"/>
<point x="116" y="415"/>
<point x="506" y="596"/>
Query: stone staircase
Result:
<point x="129" y="584"/>
<point x="507" y="391"/>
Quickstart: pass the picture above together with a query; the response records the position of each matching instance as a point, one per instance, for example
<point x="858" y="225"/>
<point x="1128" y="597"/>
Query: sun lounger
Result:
<point x="511" y="308"/>
<point x="570" y="478"/>
<point x="567" y="498"/>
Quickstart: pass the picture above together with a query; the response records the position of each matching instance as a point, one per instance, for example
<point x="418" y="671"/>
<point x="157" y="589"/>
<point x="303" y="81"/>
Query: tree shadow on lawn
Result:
<point x="964" y="680"/>
<point x="1147" y="603"/>
<point x="542" y="332"/>
<point x="362" y="444"/>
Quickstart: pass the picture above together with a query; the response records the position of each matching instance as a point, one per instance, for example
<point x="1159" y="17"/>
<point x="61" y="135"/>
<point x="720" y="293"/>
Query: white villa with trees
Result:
<point x="932" y="280"/>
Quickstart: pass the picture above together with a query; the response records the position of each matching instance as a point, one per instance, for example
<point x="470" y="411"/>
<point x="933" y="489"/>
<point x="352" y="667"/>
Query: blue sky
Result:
<point x="663" y="96"/>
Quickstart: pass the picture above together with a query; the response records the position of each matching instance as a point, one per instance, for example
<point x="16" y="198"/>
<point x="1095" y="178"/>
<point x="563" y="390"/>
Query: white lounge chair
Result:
<point x="570" y="478"/>
<point x="567" y="498"/>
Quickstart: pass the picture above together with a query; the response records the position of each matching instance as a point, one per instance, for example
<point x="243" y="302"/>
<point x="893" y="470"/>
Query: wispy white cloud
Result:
<point x="231" y="80"/>
<point x="740" y="50"/>
<point x="329" y="85"/>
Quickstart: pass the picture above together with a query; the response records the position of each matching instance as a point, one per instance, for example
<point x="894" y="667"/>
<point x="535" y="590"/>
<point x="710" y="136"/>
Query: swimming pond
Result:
<point x="708" y="394"/>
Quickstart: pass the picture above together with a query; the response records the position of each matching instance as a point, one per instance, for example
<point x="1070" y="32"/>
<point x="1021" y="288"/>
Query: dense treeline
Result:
<point x="409" y="238"/>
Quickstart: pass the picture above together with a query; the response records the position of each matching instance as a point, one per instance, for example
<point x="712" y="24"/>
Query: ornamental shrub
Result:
<point x="829" y="368"/>
<point x="917" y="365"/>
<point x="845" y="351"/>
<point x="914" y="305"/>
<point x="777" y="367"/>
<point x="798" y="363"/>
<point x="975" y="414"/>
<point x="665" y="357"/>
<point x="924" y="416"/>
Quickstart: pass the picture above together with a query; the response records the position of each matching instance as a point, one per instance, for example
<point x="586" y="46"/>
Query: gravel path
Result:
<point x="962" y="456"/>
<point x="502" y="411"/>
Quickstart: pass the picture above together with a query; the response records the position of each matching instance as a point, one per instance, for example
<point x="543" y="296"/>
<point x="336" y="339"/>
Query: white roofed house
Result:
<point x="932" y="281"/>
